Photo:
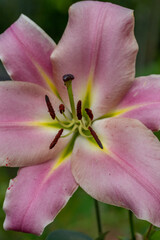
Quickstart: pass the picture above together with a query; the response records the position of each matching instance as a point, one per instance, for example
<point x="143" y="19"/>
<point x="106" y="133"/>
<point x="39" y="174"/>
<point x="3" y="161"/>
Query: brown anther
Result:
<point x="89" y="113"/>
<point x="61" y="108"/>
<point x="55" y="140"/>
<point x="93" y="133"/>
<point x="67" y="77"/>
<point x="79" y="112"/>
<point x="50" y="108"/>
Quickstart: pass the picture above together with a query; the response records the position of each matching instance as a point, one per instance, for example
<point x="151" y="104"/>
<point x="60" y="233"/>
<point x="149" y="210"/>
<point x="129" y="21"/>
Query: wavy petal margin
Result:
<point x="142" y="102"/>
<point x="36" y="196"/>
<point x="25" y="51"/>
<point x="126" y="172"/>
<point x="99" y="48"/>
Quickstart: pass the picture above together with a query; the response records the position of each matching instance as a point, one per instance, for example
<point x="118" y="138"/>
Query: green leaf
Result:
<point x="67" y="235"/>
<point x="157" y="134"/>
<point x="155" y="236"/>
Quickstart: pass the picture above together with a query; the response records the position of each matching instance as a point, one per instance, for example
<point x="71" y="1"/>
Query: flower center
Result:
<point x="77" y="122"/>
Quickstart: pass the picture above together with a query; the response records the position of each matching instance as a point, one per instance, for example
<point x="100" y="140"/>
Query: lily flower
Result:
<point x="74" y="114"/>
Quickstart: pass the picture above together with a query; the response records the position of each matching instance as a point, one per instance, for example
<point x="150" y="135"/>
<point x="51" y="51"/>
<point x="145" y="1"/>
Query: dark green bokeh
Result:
<point x="52" y="15"/>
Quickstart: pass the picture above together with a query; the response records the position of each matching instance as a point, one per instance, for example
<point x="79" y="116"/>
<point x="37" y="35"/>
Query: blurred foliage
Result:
<point x="67" y="235"/>
<point x="155" y="236"/>
<point x="52" y="16"/>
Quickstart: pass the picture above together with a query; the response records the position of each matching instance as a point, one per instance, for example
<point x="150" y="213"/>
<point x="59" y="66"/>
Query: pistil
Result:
<point x="67" y="78"/>
<point x="79" y="123"/>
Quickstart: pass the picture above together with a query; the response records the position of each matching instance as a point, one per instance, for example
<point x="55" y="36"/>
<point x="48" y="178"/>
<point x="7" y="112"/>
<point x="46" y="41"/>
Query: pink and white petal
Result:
<point x="36" y="196"/>
<point x="26" y="127"/>
<point x="98" y="47"/>
<point x="126" y="172"/>
<point x="25" y="50"/>
<point x="142" y="102"/>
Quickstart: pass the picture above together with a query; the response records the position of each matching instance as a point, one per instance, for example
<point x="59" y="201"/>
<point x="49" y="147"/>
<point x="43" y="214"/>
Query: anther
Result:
<point x="50" y="108"/>
<point x="89" y="113"/>
<point x="79" y="112"/>
<point x="67" y="77"/>
<point x="55" y="140"/>
<point x="61" y="108"/>
<point x="93" y="133"/>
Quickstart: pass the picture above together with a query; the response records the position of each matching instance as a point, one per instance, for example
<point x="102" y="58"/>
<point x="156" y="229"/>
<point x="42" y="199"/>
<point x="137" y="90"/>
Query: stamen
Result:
<point x="55" y="140"/>
<point x="67" y="77"/>
<point x="93" y="133"/>
<point x="61" y="108"/>
<point x="89" y="113"/>
<point x="68" y="125"/>
<point x="50" y="108"/>
<point x="80" y="129"/>
<point x="79" y="107"/>
<point x="72" y="130"/>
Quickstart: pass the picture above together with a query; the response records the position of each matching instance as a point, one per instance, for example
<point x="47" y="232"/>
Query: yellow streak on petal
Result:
<point x="56" y="164"/>
<point x="121" y="111"/>
<point x="87" y="98"/>
<point x="44" y="124"/>
<point x="63" y="156"/>
<point x="59" y="161"/>
<point x="95" y="146"/>
<point x="106" y="150"/>
<point x="31" y="124"/>
<point x="47" y="79"/>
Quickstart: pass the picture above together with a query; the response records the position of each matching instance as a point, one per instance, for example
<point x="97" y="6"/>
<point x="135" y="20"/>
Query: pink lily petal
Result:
<point x="36" y="196"/>
<point x="98" y="47"/>
<point x="142" y="102"/>
<point x="26" y="127"/>
<point x="25" y="50"/>
<point x="126" y="172"/>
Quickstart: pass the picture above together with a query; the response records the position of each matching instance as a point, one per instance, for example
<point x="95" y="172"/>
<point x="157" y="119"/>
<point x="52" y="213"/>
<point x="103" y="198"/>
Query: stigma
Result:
<point x="67" y="77"/>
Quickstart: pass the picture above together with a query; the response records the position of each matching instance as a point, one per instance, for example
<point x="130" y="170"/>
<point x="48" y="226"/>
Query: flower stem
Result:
<point x="131" y="225"/>
<point x="148" y="232"/>
<point x="98" y="217"/>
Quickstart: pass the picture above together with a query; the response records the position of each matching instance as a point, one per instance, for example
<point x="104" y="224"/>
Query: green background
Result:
<point x="52" y="15"/>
